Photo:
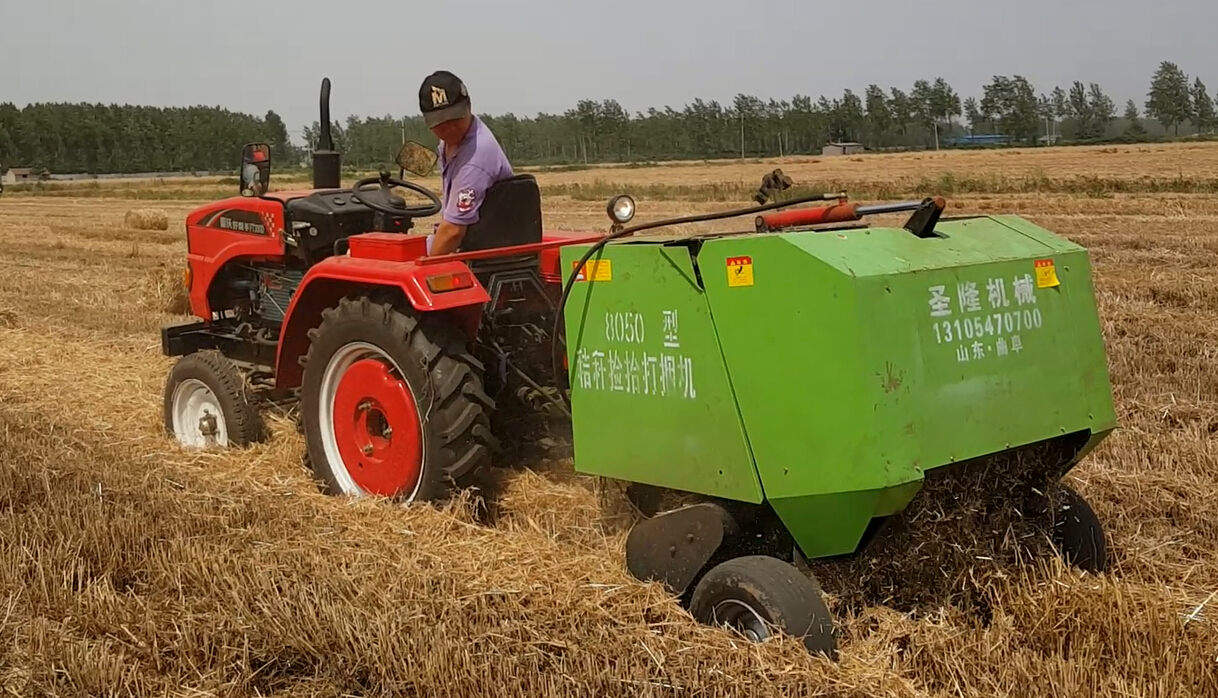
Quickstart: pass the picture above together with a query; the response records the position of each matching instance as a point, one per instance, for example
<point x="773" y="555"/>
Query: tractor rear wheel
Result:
<point x="207" y="402"/>
<point x="393" y="404"/>
<point x="753" y="593"/>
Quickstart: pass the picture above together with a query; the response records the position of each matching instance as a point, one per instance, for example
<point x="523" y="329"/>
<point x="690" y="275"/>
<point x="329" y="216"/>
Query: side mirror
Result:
<point x="255" y="169"/>
<point x="416" y="158"/>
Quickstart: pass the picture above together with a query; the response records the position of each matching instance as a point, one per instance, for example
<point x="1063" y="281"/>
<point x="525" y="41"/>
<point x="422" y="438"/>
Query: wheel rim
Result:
<point x="743" y="618"/>
<point x="198" y="421"/>
<point x="370" y="428"/>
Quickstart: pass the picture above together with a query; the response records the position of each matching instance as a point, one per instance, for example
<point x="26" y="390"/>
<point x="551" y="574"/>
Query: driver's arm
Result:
<point x="446" y="239"/>
<point x="461" y="210"/>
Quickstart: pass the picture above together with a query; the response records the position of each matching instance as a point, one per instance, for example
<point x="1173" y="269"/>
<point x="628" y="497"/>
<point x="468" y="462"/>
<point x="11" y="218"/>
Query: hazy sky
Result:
<point x="543" y="55"/>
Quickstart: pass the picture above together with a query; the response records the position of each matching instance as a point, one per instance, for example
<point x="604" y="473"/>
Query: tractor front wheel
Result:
<point x="755" y="593"/>
<point x="207" y="402"/>
<point x="392" y="405"/>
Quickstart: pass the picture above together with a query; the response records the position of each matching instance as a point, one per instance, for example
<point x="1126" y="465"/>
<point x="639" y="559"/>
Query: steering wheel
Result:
<point x="384" y="200"/>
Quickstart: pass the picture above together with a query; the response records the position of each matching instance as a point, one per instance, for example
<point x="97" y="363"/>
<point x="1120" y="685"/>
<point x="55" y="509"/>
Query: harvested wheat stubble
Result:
<point x="146" y="219"/>
<point x="178" y="580"/>
<point x="128" y="566"/>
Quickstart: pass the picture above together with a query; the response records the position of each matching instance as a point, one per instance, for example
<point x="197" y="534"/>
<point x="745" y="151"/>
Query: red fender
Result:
<point x="334" y="277"/>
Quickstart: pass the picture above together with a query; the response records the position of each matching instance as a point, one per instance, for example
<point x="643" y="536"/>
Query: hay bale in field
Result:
<point x="146" y="219"/>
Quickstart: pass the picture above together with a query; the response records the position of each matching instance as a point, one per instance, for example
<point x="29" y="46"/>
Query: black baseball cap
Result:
<point x="442" y="97"/>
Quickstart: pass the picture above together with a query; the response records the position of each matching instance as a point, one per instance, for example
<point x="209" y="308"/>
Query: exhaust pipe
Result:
<point x="327" y="163"/>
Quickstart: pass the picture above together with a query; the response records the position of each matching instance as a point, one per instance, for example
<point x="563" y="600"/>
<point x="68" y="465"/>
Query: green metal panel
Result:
<point x="851" y="382"/>
<point x="651" y="399"/>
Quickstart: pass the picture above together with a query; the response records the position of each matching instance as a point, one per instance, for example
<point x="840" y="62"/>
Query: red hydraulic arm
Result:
<point x="842" y="212"/>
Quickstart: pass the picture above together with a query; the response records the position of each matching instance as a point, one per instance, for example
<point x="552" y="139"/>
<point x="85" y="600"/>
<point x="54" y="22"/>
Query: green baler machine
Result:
<point x="797" y="386"/>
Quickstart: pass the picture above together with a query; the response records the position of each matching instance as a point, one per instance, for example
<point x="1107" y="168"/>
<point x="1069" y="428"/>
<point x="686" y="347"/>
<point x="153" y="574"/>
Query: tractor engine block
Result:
<point x="267" y="289"/>
<point x="276" y="286"/>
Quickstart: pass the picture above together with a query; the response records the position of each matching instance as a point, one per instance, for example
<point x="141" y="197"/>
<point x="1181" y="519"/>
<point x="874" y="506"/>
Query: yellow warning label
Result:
<point x="739" y="271"/>
<point x="596" y="269"/>
<point x="1046" y="274"/>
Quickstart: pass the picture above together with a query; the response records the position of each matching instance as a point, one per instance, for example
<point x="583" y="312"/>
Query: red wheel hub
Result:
<point x="376" y="426"/>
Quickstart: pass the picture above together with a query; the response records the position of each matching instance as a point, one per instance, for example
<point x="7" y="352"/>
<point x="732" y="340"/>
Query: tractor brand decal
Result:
<point x="1046" y="274"/>
<point x="465" y="200"/>
<point x="598" y="270"/>
<point x="633" y="369"/>
<point x="739" y="271"/>
<point x="243" y="222"/>
<point x="979" y="327"/>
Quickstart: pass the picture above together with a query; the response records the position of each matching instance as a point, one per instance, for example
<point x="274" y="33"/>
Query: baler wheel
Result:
<point x="208" y="403"/>
<point x="393" y="405"/>
<point x="753" y="593"/>
<point x="1078" y="533"/>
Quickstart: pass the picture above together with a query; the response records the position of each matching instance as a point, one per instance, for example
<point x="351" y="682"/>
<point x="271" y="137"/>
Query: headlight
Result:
<point x="621" y="209"/>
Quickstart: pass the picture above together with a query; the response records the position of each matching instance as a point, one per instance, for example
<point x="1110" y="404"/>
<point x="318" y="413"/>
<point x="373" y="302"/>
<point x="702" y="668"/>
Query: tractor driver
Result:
<point x="252" y="177"/>
<point x="471" y="159"/>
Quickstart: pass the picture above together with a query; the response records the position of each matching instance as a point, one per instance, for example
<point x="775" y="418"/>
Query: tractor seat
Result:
<point x="510" y="215"/>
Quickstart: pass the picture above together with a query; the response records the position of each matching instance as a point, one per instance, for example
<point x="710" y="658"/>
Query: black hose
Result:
<point x="566" y="292"/>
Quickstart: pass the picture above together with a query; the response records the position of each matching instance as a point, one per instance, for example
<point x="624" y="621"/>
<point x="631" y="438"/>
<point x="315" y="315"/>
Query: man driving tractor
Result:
<point x="471" y="159"/>
<point x="251" y="177"/>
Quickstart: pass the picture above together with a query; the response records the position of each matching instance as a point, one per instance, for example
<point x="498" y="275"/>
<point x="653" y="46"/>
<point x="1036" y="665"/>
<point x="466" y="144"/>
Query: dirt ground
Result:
<point x="130" y="567"/>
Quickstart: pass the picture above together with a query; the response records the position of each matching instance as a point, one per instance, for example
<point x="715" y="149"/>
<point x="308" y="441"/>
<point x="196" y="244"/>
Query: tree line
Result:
<point x="95" y="138"/>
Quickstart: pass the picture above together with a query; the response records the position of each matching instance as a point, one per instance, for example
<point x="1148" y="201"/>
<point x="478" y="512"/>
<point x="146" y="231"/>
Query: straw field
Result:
<point x="130" y="567"/>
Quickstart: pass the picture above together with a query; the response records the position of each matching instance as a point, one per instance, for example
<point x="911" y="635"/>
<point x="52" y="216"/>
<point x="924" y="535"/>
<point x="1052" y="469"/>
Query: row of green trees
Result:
<point x="96" y="138"/>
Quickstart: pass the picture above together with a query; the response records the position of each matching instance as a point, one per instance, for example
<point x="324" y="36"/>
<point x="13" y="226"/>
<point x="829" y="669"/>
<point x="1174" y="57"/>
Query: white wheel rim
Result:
<point x="342" y="360"/>
<point x="198" y="421"/>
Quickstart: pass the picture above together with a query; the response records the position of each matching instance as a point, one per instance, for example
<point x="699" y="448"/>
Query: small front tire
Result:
<point x="752" y="593"/>
<point x="207" y="403"/>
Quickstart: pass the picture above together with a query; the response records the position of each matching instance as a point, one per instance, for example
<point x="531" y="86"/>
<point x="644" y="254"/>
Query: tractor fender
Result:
<point x="335" y="277"/>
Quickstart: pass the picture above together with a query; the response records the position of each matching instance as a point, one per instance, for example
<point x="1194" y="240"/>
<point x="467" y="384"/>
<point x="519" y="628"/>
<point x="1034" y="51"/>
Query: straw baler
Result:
<point x="796" y="381"/>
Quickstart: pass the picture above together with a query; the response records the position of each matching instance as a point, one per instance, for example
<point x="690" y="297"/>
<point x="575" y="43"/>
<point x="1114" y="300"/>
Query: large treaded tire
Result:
<point x="228" y="390"/>
<point x="445" y="380"/>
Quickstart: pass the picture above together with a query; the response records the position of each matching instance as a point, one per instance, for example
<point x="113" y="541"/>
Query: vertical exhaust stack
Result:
<point x="327" y="163"/>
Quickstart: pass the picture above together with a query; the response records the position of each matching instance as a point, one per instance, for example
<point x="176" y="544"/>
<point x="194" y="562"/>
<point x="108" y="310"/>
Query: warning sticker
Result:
<point x="1046" y="274"/>
<point x="596" y="269"/>
<point x="739" y="271"/>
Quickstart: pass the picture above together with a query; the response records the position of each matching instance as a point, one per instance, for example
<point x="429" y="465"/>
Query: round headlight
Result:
<point x="621" y="208"/>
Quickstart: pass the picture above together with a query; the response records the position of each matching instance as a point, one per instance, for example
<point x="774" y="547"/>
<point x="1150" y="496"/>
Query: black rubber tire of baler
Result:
<point x="780" y="593"/>
<point x="431" y="353"/>
<point x="242" y="416"/>
<point x="1078" y="533"/>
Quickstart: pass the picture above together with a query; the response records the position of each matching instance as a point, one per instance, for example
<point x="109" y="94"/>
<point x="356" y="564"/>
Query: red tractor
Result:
<point x="397" y="359"/>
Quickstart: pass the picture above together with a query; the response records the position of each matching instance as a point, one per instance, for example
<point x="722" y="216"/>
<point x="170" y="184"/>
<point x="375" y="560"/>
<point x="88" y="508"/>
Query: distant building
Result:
<point x="842" y="149"/>
<point x="15" y="175"/>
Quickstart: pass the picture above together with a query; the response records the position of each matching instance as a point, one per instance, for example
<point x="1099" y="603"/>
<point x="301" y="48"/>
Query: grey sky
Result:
<point x="543" y="55"/>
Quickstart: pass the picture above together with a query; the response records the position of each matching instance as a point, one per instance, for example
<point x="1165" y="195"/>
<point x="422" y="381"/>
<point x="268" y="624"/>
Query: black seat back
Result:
<point x="510" y="215"/>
